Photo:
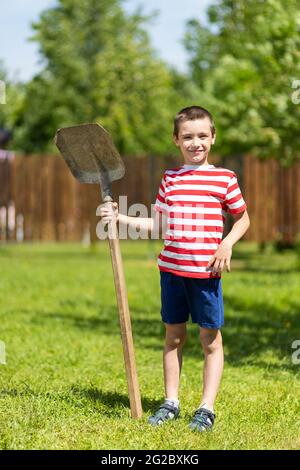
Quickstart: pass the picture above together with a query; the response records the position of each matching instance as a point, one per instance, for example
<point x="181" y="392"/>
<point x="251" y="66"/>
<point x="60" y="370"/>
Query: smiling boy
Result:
<point x="194" y="198"/>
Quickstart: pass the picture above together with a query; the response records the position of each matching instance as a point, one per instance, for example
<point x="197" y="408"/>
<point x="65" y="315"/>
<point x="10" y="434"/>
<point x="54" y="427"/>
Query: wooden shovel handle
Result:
<point x="125" y="322"/>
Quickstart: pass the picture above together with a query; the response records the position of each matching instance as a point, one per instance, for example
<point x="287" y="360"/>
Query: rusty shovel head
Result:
<point x="91" y="155"/>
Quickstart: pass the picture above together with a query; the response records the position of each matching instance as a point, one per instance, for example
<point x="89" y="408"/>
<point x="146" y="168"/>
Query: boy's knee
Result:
<point x="175" y="338"/>
<point x="175" y="341"/>
<point x="211" y="340"/>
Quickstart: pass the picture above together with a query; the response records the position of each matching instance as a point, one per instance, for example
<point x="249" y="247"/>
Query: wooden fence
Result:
<point x="40" y="199"/>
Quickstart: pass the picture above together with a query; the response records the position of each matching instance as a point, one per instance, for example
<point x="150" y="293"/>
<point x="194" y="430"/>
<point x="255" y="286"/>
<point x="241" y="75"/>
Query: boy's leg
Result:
<point x="211" y="340"/>
<point x="172" y="357"/>
<point x="172" y="361"/>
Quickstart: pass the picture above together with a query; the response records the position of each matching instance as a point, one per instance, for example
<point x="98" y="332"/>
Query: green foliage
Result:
<point x="99" y="67"/>
<point x="245" y="63"/>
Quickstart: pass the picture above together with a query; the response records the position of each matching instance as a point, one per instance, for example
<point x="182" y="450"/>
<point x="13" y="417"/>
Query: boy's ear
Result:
<point x="175" y="140"/>
<point x="214" y="139"/>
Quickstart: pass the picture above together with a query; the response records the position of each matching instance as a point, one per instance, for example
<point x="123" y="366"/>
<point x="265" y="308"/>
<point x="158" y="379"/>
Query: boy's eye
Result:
<point x="188" y="137"/>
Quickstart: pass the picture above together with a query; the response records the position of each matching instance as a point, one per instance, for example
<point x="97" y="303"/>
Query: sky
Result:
<point x="20" y="56"/>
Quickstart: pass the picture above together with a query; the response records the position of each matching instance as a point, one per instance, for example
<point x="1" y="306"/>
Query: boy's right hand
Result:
<point x="108" y="211"/>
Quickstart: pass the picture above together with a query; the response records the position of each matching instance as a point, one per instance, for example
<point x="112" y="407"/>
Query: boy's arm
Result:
<point x="140" y="223"/>
<point x="223" y="254"/>
<point x="154" y="224"/>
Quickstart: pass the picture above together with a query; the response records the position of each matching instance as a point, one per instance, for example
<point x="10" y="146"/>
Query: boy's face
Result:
<point x="195" y="140"/>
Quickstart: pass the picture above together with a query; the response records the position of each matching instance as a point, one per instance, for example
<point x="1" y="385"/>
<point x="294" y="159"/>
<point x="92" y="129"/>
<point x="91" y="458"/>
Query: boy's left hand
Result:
<point x="221" y="258"/>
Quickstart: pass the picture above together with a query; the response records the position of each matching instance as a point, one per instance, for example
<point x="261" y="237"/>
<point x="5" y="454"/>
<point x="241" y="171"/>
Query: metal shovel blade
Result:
<point x="91" y="155"/>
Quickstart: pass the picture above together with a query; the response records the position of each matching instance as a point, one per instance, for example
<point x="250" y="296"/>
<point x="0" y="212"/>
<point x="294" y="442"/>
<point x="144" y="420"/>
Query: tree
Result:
<point x="99" y="67"/>
<point x="246" y="63"/>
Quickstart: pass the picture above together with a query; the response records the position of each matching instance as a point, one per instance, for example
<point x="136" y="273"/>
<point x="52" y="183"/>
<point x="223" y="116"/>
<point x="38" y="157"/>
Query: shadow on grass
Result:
<point x="110" y="402"/>
<point x="107" y="320"/>
<point x="23" y="391"/>
<point x="106" y="402"/>
<point x="257" y="332"/>
<point x="250" y="333"/>
<point x="260" y="329"/>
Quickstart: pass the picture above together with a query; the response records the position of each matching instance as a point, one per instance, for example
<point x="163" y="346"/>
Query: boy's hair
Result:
<point x="191" y="114"/>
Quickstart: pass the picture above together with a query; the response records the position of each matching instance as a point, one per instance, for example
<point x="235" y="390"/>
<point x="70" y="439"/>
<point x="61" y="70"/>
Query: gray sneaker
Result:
<point x="203" y="420"/>
<point x="164" y="413"/>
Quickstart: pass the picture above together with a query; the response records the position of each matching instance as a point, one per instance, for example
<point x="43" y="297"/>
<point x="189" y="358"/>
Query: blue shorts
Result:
<point x="202" y="298"/>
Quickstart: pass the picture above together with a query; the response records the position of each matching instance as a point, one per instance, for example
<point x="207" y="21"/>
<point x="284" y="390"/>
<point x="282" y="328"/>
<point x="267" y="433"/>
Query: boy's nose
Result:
<point x="196" y="142"/>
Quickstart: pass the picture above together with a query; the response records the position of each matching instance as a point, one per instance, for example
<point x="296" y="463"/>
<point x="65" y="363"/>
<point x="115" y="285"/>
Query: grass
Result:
<point x="64" y="384"/>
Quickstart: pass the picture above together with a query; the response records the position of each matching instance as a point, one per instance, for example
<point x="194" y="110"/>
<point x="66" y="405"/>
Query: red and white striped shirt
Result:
<point x="195" y="201"/>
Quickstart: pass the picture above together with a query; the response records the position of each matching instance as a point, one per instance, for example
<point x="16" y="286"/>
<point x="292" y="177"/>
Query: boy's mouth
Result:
<point x="197" y="158"/>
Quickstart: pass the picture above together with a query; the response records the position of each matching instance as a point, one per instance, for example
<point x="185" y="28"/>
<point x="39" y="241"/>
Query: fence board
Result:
<point x="54" y="206"/>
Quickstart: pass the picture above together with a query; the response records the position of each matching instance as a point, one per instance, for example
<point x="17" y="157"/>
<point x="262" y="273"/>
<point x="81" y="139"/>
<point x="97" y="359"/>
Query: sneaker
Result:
<point x="203" y="420"/>
<point x="164" y="413"/>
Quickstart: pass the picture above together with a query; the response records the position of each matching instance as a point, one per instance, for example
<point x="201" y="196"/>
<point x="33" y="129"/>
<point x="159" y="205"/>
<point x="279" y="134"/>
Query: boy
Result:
<point x="194" y="198"/>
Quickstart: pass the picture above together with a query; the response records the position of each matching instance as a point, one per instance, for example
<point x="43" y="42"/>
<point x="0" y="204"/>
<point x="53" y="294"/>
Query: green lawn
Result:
<point x="64" y="384"/>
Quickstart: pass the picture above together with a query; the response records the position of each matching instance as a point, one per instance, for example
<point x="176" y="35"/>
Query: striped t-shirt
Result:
<point x="195" y="201"/>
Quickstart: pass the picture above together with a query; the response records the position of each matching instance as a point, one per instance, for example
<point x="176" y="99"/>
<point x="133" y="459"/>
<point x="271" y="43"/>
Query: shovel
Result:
<point x="92" y="158"/>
